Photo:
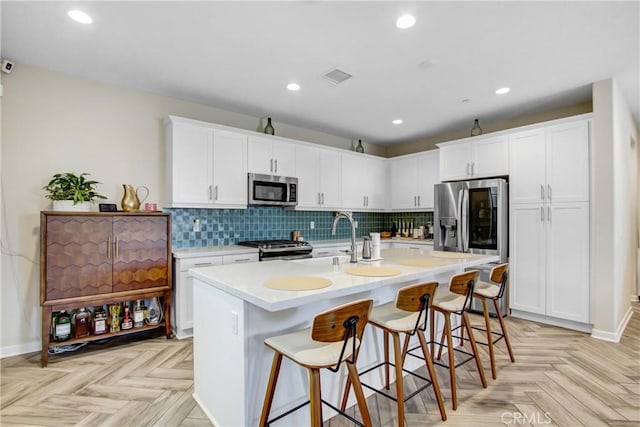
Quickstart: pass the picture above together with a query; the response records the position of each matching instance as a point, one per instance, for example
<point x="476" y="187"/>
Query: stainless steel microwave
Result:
<point x="273" y="190"/>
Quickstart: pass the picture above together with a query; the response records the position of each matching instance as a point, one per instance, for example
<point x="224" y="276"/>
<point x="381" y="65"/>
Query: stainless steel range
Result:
<point x="279" y="249"/>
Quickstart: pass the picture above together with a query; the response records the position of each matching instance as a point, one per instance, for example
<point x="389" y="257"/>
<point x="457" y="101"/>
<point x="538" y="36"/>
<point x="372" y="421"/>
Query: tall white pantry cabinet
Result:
<point x="549" y="222"/>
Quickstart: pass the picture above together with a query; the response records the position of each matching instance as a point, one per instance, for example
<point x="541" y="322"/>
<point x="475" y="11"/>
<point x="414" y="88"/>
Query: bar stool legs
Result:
<point x="333" y="339"/>
<point x="494" y="291"/>
<point x="458" y="301"/>
<point x="408" y="316"/>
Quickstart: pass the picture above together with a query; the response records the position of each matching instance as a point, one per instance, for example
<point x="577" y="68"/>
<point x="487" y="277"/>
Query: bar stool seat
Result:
<point x="486" y="289"/>
<point x="299" y="347"/>
<point x="407" y="315"/>
<point x="333" y="339"/>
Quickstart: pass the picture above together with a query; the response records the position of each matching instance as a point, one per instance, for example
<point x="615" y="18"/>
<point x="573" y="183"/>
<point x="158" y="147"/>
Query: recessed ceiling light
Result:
<point x="80" y="16"/>
<point x="405" y="21"/>
<point x="503" y="90"/>
<point x="293" y="86"/>
<point x="397" y="121"/>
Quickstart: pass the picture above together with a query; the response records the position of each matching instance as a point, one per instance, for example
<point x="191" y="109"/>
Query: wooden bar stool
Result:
<point x="456" y="301"/>
<point x="407" y="315"/>
<point x="334" y="338"/>
<point x="494" y="292"/>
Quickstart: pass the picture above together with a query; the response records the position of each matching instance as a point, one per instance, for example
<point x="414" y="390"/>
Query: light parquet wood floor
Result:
<point x="560" y="378"/>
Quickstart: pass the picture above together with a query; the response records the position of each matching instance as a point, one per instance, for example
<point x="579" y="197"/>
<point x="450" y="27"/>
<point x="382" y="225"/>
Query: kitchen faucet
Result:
<point x="349" y="216"/>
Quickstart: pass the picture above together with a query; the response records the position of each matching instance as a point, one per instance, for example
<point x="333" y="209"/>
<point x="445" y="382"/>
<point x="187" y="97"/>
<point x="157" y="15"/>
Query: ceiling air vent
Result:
<point x="336" y="76"/>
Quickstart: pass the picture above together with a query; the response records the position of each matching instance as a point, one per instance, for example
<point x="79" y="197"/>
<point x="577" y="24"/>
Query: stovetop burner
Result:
<point x="274" y="244"/>
<point x="279" y="249"/>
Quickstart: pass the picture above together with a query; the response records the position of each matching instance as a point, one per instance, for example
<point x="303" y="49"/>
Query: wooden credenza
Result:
<point x="91" y="258"/>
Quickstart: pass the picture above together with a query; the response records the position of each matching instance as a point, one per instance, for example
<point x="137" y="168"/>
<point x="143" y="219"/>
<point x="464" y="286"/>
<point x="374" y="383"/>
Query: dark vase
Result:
<point x="476" y="129"/>
<point x="268" y="129"/>
<point x="360" y="148"/>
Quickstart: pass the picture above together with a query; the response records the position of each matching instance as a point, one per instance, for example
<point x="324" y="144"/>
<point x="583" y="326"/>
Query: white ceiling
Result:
<point x="239" y="56"/>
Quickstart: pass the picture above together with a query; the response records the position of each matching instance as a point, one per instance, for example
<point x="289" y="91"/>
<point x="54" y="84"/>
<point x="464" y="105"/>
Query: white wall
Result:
<point x="55" y="123"/>
<point x="614" y="226"/>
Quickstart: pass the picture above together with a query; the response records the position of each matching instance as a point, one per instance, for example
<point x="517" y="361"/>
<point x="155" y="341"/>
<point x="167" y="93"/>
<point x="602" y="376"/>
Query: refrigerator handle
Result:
<point x="464" y="213"/>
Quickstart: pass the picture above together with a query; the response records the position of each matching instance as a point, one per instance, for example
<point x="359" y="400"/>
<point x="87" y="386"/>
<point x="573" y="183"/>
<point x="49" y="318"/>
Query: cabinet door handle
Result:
<point x="472" y="165"/>
<point x="210" y="192"/>
<point x="216" y="192"/>
<point x="116" y="247"/>
<point x="541" y="214"/>
<point x="109" y="247"/>
<point x="323" y="198"/>
<point x="549" y="192"/>
<point x="542" y="192"/>
<point x="319" y="198"/>
<point x="549" y="213"/>
<point x="276" y="165"/>
<point x="323" y="253"/>
<point x="203" y="264"/>
<point x="271" y="167"/>
<point x="242" y="260"/>
<point x="418" y="200"/>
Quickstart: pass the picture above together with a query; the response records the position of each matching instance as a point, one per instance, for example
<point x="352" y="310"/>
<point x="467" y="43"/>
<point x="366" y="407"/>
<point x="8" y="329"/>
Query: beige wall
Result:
<point x="429" y="143"/>
<point x="55" y="123"/>
<point x="614" y="228"/>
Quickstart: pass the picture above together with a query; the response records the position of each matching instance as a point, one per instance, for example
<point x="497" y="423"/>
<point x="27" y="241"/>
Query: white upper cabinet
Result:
<point x="206" y="167"/>
<point x="412" y="181"/>
<point x="270" y="156"/>
<point x="550" y="164"/>
<point x="364" y="181"/>
<point x="479" y="158"/>
<point x="319" y="183"/>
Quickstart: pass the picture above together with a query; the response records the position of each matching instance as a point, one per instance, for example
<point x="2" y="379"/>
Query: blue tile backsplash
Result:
<point x="221" y="227"/>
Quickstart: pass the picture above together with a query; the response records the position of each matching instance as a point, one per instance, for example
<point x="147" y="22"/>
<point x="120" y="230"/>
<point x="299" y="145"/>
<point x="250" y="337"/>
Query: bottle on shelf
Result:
<point x="82" y="323"/>
<point x="61" y="326"/>
<point x="138" y="314"/>
<point x="476" y="129"/>
<point x="99" y="321"/>
<point x="360" y="148"/>
<point x="114" y="317"/>
<point x="154" y="313"/>
<point x="127" y="322"/>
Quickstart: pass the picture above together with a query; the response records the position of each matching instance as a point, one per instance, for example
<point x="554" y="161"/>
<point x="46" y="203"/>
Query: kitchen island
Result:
<point x="234" y="312"/>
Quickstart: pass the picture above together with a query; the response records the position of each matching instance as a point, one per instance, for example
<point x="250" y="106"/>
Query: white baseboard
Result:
<point x="554" y="321"/>
<point x="614" y="336"/>
<point x="14" y="350"/>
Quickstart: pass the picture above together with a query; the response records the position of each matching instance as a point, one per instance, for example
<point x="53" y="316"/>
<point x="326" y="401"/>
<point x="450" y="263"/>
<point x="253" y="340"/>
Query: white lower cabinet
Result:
<point x="549" y="260"/>
<point x="182" y="307"/>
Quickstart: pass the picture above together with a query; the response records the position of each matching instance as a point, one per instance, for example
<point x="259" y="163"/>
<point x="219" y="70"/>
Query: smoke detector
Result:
<point x="336" y="76"/>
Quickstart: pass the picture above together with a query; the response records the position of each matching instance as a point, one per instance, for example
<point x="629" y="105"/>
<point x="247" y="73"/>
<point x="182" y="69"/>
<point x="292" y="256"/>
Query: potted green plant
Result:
<point x="71" y="192"/>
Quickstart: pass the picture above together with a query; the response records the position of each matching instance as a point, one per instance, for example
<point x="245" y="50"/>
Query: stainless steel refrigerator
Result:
<point x="472" y="217"/>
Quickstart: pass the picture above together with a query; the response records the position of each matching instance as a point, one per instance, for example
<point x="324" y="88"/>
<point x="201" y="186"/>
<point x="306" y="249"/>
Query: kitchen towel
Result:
<point x="375" y="245"/>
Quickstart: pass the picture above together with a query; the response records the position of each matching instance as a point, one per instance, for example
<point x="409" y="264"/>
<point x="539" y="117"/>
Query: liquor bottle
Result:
<point x="154" y="314"/>
<point x="99" y="321"/>
<point x="268" y="129"/>
<point x="138" y="315"/>
<point x="114" y="317"/>
<point x="127" y="323"/>
<point x="61" y="326"/>
<point x="82" y="323"/>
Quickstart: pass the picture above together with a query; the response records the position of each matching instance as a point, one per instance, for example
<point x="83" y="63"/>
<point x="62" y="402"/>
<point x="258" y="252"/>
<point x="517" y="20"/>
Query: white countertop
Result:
<point x="237" y="249"/>
<point x="246" y="281"/>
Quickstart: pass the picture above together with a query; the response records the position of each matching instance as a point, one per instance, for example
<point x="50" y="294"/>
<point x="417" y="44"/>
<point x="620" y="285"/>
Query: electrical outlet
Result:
<point x="312" y="225"/>
<point x="196" y="225"/>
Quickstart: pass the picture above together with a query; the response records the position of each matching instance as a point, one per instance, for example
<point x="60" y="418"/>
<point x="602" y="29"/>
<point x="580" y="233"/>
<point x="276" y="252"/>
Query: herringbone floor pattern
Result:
<point x="560" y="378"/>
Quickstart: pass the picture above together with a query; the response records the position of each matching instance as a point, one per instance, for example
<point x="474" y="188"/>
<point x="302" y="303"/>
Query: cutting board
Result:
<point x="373" y="271"/>
<point x="297" y="283"/>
